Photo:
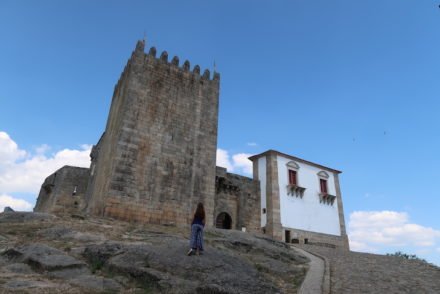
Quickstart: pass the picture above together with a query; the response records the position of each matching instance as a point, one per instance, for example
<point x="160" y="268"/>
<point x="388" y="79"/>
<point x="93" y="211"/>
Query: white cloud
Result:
<point x="241" y="162"/>
<point x="238" y="164"/>
<point x="252" y="144"/>
<point x="223" y="159"/>
<point x="14" y="203"/>
<point x="361" y="246"/>
<point x="42" y="149"/>
<point x="369" y="230"/>
<point x="9" y="152"/>
<point x="24" y="172"/>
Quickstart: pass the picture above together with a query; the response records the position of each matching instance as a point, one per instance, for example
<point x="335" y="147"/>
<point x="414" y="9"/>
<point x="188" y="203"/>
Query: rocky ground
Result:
<point x="355" y="272"/>
<point x="41" y="253"/>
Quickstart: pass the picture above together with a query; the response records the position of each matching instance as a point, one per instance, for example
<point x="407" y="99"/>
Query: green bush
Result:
<point x="406" y="256"/>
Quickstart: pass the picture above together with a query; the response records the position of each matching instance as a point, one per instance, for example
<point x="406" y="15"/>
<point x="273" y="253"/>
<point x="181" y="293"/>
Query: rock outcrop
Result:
<point x="41" y="252"/>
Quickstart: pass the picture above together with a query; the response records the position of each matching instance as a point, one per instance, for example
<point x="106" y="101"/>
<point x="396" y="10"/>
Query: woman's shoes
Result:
<point x="194" y="251"/>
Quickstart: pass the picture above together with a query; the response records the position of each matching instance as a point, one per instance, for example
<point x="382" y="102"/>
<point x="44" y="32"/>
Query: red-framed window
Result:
<point x="323" y="184"/>
<point x="292" y="177"/>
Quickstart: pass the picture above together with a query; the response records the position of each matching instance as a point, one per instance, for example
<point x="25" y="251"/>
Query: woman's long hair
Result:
<point x="200" y="211"/>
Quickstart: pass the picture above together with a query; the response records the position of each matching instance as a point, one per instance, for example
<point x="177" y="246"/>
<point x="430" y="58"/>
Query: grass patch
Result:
<point x="299" y="277"/>
<point x="261" y="268"/>
<point x="209" y="234"/>
<point x="96" y="265"/>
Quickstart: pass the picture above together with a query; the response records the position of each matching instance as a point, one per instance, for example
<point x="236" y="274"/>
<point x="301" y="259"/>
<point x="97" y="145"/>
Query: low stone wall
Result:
<point x="318" y="239"/>
<point x="356" y="272"/>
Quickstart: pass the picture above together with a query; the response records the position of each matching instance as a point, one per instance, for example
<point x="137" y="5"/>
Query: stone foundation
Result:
<point x="318" y="239"/>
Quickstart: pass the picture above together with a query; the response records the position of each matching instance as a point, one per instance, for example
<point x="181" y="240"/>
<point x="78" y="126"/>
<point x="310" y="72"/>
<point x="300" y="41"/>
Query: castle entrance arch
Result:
<point x="223" y="221"/>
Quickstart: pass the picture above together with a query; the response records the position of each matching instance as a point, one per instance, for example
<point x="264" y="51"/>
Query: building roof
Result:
<point x="252" y="158"/>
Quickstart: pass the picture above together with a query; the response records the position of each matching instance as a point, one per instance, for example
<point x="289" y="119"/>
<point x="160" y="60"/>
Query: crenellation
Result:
<point x="175" y="61"/>
<point x="140" y="46"/>
<point x="206" y="74"/>
<point x="164" y="56"/>
<point x="216" y="76"/>
<point x="186" y="66"/>
<point x="152" y="52"/>
<point x="196" y="70"/>
<point x="150" y="59"/>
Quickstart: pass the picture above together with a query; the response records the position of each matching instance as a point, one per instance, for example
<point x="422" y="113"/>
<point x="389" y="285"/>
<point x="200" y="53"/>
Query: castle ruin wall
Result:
<point x="63" y="191"/>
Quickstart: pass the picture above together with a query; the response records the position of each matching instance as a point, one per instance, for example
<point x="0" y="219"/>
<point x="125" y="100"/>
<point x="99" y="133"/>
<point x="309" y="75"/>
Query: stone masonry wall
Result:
<point x="319" y="239"/>
<point x="239" y="197"/>
<point x="63" y="191"/>
<point x="156" y="160"/>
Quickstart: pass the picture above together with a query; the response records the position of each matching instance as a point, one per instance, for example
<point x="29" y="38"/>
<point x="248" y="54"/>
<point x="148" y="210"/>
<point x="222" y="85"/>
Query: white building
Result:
<point x="300" y="200"/>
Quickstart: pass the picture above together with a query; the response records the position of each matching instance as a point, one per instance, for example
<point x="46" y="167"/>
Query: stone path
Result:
<point x="355" y="272"/>
<point x="313" y="283"/>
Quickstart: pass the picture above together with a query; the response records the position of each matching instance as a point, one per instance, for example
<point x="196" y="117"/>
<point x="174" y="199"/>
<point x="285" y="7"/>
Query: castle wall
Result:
<point x="156" y="160"/>
<point x="63" y="191"/>
<point x="239" y="197"/>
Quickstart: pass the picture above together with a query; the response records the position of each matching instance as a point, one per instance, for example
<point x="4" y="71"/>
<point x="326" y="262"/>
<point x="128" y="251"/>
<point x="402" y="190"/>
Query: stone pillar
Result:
<point x="273" y="225"/>
<point x="341" y="212"/>
<point x="255" y="169"/>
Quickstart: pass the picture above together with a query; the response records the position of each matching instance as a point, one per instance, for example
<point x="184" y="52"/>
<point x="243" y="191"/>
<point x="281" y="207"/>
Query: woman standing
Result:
<point x="197" y="225"/>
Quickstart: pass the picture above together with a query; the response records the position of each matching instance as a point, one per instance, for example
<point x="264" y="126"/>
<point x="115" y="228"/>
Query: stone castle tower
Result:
<point x="156" y="158"/>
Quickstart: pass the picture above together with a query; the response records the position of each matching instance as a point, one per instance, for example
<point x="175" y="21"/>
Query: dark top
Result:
<point x="198" y="221"/>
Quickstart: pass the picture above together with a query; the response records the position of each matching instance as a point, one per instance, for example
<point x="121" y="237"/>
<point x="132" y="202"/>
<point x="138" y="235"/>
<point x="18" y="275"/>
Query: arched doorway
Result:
<point x="223" y="221"/>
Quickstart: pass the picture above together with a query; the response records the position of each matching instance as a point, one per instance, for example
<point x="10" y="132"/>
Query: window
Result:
<point x="323" y="184"/>
<point x="74" y="191"/>
<point x="292" y="177"/>
<point x="324" y="196"/>
<point x="293" y="187"/>
<point x="264" y="210"/>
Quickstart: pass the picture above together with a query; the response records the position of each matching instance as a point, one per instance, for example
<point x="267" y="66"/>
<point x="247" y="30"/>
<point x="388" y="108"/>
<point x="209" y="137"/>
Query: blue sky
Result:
<point x="347" y="84"/>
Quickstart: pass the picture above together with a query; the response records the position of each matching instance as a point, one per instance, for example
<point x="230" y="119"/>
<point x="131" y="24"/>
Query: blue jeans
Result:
<point x="196" y="241"/>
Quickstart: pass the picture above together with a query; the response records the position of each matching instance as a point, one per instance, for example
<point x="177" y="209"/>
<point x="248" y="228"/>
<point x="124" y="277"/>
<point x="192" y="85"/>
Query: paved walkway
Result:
<point x="313" y="283"/>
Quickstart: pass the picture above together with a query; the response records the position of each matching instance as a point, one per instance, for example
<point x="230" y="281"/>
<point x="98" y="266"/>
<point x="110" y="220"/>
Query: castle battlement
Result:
<point x="150" y="57"/>
<point x="143" y="59"/>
